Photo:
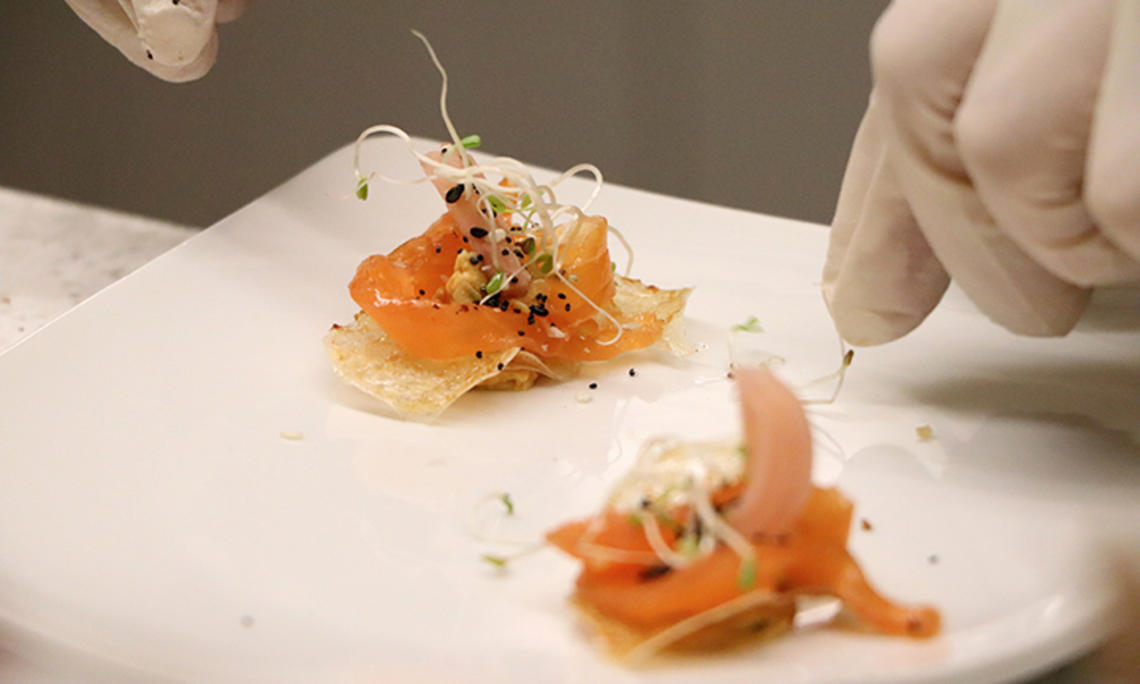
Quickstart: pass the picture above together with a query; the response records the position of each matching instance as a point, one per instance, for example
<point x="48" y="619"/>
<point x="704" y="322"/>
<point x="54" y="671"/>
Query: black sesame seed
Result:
<point x="478" y="354"/>
<point x="522" y="333"/>
<point x="503" y="305"/>
<point x="475" y="259"/>
<point x="422" y="293"/>
<point x="514" y="280"/>
<point x="478" y="232"/>
<point x="438" y="249"/>
<point x="505" y="252"/>
<point x="567" y="307"/>
<point x="500" y="366"/>
<point x="149" y="55"/>
<point x="519" y="254"/>
<point x="454" y="194"/>
<point x="593" y="385"/>
<point x="562" y="295"/>
<point x="653" y="572"/>
<point x="632" y="372"/>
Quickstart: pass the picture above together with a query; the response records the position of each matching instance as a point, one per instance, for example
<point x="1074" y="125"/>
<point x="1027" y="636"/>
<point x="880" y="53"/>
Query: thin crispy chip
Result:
<point x="366" y="358"/>
<point x="523" y="370"/>
<point x="754" y="616"/>
<point x="633" y="297"/>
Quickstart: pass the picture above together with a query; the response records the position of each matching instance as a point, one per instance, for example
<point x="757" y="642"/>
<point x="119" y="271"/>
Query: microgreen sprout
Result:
<point x="529" y="246"/>
<point x="689" y="545"/>
<point x="471" y="142"/>
<point x="507" y="503"/>
<point x="838" y="375"/>
<point x="497" y="561"/>
<point x="497" y="204"/>
<point x="746" y="577"/>
<point x="495" y="283"/>
<point x="362" y="188"/>
<point x="545" y="263"/>
<point x="751" y="325"/>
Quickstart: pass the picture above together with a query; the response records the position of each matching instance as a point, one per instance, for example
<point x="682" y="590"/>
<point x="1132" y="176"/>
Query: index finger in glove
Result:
<point x="880" y="279"/>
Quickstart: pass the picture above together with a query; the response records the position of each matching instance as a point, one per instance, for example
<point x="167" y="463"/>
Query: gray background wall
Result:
<point x="744" y="103"/>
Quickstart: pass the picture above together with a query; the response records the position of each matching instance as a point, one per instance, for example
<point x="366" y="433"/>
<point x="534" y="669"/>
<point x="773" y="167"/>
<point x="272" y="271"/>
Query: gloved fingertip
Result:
<point x="862" y="327"/>
<point x="1057" y="324"/>
<point x="182" y="73"/>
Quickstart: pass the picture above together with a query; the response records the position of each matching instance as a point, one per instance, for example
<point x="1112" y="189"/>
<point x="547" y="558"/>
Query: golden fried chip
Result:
<point x="633" y="297"/>
<point x="754" y="616"/>
<point x="366" y="358"/>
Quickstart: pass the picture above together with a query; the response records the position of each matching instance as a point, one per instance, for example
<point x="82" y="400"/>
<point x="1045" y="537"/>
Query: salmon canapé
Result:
<point x="707" y="543"/>
<point x="508" y="285"/>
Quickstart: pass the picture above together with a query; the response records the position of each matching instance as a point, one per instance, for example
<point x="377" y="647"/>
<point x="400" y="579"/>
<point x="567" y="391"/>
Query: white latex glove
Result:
<point x="176" y="40"/>
<point x="1000" y="148"/>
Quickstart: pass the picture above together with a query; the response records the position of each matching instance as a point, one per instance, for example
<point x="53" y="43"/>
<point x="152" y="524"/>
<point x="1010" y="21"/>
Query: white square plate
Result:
<point x="153" y="513"/>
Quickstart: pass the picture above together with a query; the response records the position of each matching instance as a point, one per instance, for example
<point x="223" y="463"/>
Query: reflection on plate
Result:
<point x="187" y="490"/>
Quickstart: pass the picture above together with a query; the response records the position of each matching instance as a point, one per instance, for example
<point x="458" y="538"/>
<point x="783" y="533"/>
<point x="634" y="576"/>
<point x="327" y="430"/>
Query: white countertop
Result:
<point x="54" y="254"/>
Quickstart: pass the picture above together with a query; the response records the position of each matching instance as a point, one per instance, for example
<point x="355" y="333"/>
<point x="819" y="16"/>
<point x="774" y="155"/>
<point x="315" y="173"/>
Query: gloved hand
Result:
<point x="1001" y="148"/>
<point x="176" y="40"/>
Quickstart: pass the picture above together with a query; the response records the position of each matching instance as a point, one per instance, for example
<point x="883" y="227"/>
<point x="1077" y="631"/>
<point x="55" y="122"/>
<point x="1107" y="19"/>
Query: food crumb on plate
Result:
<point x="865" y="524"/>
<point x="584" y="398"/>
<point x="292" y="435"/>
<point x="924" y="432"/>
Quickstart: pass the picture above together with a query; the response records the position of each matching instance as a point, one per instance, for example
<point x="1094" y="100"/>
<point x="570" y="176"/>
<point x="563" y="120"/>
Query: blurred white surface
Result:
<point x="54" y="254"/>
